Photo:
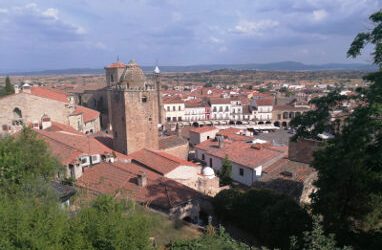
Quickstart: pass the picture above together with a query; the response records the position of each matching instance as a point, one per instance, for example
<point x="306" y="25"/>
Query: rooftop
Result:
<point x="203" y="129"/>
<point x="119" y="179"/>
<point x="245" y="154"/>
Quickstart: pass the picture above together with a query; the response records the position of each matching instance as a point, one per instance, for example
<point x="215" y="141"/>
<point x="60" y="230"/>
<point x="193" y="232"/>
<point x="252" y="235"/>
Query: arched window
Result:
<point x="17" y="114"/>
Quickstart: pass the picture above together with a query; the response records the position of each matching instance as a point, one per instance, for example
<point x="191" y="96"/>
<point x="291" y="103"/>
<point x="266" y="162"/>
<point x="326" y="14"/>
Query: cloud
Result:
<point x="40" y="24"/>
<point x="319" y="15"/>
<point x="255" y="28"/>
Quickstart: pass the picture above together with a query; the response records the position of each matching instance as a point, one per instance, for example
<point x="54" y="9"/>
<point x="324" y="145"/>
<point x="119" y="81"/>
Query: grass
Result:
<point x="164" y="230"/>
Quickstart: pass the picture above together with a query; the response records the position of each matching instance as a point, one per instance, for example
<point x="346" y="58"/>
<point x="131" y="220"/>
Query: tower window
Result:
<point x="144" y="99"/>
<point x="111" y="78"/>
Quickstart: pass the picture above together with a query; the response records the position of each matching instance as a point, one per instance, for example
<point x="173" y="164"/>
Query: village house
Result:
<point x="201" y="134"/>
<point x="220" y="108"/>
<point x="249" y="160"/>
<point x="262" y="109"/>
<point x="74" y="150"/>
<point x="174" y="109"/>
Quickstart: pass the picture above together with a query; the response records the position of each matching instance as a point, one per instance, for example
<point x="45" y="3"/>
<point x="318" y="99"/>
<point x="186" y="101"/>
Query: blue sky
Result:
<point x="92" y="33"/>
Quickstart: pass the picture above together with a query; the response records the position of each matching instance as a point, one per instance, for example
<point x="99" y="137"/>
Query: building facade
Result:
<point x="133" y="108"/>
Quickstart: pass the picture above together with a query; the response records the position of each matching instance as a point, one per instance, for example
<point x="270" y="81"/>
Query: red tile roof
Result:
<point x="68" y="146"/>
<point x="158" y="161"/>
<point x="120" y="179"/>
<point x="203" y="129"/>
<point x="49" y="94"/>
<point x="117" y="64"/>
<point x="88" y="114"/>
<point x="264" y="102"/>
<point x="220" y="100"/>
<point x="244" y="153"/>
<point x="172" y="100"/>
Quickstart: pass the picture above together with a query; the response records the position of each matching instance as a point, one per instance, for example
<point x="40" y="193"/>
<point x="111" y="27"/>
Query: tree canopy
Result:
<point x="270" y="217"/>
<point x="349" y="185"/>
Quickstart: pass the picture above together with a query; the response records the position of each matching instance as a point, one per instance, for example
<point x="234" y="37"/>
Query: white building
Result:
<point x="220" y="108"/>
<point x="174" y="109"/>
<point x="262" y="110"/>
<point x="236" y="110"/>
<point x="249" y="160"/>
<point x="194" y="111"/>
<point x="201" y="134"/>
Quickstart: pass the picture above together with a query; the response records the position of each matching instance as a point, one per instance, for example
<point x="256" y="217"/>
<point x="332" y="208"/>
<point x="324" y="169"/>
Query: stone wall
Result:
<point x="134" y="120"/>
<point x="180" y="151"/>
<point x="302" y="150"/>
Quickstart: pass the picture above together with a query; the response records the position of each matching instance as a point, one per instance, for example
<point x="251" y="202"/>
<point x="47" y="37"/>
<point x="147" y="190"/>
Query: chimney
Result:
<point x="220" y="139"/>
<point x="142" y="179"/>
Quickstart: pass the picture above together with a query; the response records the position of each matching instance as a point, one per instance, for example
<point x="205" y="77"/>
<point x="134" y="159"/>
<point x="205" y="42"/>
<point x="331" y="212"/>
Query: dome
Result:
<point x="134" y="76"/>
<point x="208" y="172"/>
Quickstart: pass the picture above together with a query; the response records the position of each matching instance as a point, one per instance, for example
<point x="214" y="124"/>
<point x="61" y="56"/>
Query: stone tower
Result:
<point x="133" y="108"/>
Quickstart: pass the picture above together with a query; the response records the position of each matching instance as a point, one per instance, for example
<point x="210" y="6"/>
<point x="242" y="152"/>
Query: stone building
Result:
<point x="37" y="105"/>
<point x="132" y="107"/>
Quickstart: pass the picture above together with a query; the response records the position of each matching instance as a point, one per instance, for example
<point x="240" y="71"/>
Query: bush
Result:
<point x="271" y="218"/>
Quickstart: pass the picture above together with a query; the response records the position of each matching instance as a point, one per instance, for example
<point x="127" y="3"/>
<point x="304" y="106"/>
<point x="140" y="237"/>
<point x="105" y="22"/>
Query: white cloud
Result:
<point x="51" y="12"/>
<point x="319" y="15"/>
<point x="3" y="10"/>
<point x="255" y="27"/>
<point x="214" y="39"/>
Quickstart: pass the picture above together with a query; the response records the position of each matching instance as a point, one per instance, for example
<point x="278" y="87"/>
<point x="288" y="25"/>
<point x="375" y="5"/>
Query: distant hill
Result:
<point x="277" y="66"/>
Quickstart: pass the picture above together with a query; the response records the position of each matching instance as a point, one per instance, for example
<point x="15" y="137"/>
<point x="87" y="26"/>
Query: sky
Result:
<point x="57" y="34"/>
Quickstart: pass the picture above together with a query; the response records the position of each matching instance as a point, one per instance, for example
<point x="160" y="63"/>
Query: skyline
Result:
<point x="90" y="34"/>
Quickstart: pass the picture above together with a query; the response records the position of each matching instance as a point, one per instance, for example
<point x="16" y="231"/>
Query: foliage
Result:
<point x="225" y="175"/>
<point x="316" y="239"/>
<point x="8" y="89"/>
<point x="349" y="185"/>
<point x="32" y="219"/>
<point x="24" y="158"/>
<point x="374" y="37"/>
<point x="317" y="121"/>
<point x="30" y="223"/>
<point x="209" y="84"/>
<point x="271" y="218"/>
<point x="220" y="240"/>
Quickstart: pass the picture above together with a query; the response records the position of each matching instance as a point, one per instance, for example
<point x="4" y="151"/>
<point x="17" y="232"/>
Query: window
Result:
<point x="214" y="109"/>
<point x="169" y="119"/>
<point x="211" y="162"/>
<point x="173" y="108"/>
<point x="203" y="157"/>
<point x="144" y="99"/>
<point x="174" y="119"/>
<point x="179" y="108"/>
<point x="168" y="108"/>
<point x="241" y="172"/>
<point x="111" y="78"/>
<point x="208" y="137"/>
<point x="221" y="109"/>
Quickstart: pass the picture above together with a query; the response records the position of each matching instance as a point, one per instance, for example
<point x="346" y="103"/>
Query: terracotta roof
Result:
<point x="220" y="101"/>
<point x="264" y="102"/>
<point x="172" y="100"/>
<point x="68" y="146"/>
<point x="234" y="134"/>
<point x="117" y="64"/>
<point x="203" y="129"/>
<point x="49" y="94"/>
<point x="194" y="104"/>
<point x="119" y="179"/>
<point x="88" y="114"/>
<point x="244" y="153"/>
<point x="158" y="161"/>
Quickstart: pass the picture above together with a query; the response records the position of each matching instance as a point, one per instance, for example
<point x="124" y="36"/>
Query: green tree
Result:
<point x="8" y="89"/>
<point x="316" y="239"/>
<point x="225" y="175"/>
<point x="270" y="217"/>
<point x="349" y="185"/>
<point x="24" y="159"/>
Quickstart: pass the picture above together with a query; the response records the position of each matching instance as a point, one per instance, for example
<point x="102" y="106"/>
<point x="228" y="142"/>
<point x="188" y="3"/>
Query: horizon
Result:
<point x="87" y="34"/>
